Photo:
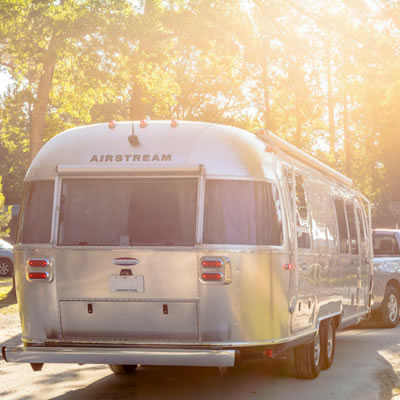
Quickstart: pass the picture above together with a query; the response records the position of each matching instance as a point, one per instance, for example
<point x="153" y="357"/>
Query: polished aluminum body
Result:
<point x="138" y="304"/>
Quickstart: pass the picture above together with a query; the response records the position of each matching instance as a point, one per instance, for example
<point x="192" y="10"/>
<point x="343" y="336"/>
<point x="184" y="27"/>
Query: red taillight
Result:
<point x="268" y="353"/>
<point x="211" y="276"/>
<point x="111" y="124"/>
<point x="288" y="267"/>
<point x="143" y="123"/>
<point x="38" y="263"/>
<point x="38" y="275"/>
<point x="174" y="123"/>
<point x="211" y="263"/>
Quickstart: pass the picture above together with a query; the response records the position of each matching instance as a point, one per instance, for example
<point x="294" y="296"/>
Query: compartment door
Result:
<point x="129" y="320"/>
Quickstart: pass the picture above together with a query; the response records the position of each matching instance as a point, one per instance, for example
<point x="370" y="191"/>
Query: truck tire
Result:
<point x="328" y="342"/>
<point x="308" y="359"/>
<point x="6" y="268"/>
<point x="122" y="369"/>
<point x="388" y="316"/>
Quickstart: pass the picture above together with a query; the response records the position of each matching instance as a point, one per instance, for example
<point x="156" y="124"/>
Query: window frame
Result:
<point x="198" y="177"/>
<point x="299" y="226"/>
<point x="391" y="235"/>
<point x="340" y="239"/>
<point x="350" y="204"/>
<point x="22" y="214"/>
<point x="245" y="246"/>
<point x="248" y="179"/>
<point x="202" y="177"/>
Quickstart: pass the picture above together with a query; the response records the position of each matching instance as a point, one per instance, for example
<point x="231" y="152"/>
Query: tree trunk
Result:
<point x="298" y="118"/>
<point x="297" y="101"/>
<point x="347" y="141"/>
<point x="42" y="99"/>
<point x="331" y="105"/>
<point x="267" y="108"/>
<point x="265" y="83"/>
<point x="137" y="108"/>
<point x="346" y="130"/>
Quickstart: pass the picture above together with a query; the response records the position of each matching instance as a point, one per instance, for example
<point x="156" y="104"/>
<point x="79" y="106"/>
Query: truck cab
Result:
<point x="386" y="285"/>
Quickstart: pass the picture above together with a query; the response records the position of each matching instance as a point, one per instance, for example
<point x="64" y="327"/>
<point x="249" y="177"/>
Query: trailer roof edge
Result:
<point x="288" y="148"/>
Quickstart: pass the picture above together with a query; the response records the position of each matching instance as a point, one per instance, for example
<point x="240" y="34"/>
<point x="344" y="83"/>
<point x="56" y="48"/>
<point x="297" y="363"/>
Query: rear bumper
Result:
<point x="143" y="356"/>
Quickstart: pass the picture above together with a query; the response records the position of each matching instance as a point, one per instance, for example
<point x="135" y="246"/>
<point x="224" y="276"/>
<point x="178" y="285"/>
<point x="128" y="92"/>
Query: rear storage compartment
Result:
<point x="123" y="319"/>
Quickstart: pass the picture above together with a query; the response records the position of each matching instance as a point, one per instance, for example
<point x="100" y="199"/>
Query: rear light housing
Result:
<point x="215" y="270"/>
<point x="39" y="269"/>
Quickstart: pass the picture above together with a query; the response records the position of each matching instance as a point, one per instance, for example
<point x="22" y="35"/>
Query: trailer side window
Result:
<point x="342" y="226"/>
<point x="361" y="221"/>
<point x="321" y="221"/>
<point x="302" y="214"/>
<point x="36" y="215"/>
<point x="242" y="212"/>
<point x="351" y="218"/>
<point x="363" y="229"/>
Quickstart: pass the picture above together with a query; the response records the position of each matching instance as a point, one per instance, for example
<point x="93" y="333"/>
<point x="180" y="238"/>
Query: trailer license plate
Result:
<point x="127" y="283"/>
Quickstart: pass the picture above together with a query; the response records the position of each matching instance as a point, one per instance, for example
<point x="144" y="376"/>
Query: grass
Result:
<point x="8" y="298"/>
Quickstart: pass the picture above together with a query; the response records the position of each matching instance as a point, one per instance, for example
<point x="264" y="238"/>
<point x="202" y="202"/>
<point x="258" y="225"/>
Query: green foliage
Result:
<point x="14" y="142"/>
<point x="5" y="216"/>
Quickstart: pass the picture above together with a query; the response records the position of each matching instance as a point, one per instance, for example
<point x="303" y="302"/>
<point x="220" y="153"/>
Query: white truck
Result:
<point x="386" y="282"/>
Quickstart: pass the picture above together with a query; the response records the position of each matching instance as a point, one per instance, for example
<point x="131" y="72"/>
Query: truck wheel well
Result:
<point x="337" y="321"/>
<point x="395" y="283"/>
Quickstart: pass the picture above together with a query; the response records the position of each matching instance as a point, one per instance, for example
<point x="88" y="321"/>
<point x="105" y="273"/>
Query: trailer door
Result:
<point x="348" y="260"/>
<point x="365" y="260"/>
<point x="355" y="254"/>
<point x="303" y="309"/>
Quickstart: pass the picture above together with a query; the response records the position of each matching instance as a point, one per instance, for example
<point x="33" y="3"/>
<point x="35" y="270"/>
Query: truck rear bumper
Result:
<point x="143" y="356"/>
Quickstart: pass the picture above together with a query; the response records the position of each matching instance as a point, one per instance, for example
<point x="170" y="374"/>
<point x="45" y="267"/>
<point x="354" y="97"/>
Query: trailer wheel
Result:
<point x="308" y="359"/>
<point x="389" y="311"/>
<point x="328" y="343"/>
<point x="122" y="369"/>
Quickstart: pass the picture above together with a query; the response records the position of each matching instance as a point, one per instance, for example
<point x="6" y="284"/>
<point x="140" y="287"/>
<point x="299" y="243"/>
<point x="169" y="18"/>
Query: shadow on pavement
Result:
<point x="376" y="378"/>
<point x="184" y="383"/>
<point x="9" y="299"/>
<point x="14" y="341"/>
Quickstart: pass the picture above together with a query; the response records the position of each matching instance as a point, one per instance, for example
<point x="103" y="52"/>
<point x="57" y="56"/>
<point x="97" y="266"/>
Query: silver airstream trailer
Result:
<point x="186" y="243"/>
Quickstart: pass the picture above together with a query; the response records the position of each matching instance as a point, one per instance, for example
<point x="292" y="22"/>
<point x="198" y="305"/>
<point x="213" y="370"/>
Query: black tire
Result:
<point x="328" y="342"/>
<point x="388" y="315"/>
<point x="308" y="359"/>
<point x="122" y="369"/>
<point x="6" y="268"/>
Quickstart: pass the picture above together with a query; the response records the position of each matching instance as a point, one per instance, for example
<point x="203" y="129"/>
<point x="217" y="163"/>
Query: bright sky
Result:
<point x="4" y="81"/>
